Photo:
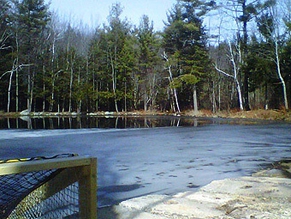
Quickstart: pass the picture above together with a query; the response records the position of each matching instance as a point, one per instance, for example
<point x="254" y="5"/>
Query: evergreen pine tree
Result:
<point x="31" y="17"/>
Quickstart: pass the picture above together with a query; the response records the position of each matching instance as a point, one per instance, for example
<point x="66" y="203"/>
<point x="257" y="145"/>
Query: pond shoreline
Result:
<point x="265" y="194"/>
<point x="244" y="197"/>
<point x="260" y="114"/>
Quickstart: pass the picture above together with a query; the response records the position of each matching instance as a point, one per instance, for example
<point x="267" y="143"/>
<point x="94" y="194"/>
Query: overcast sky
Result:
<point x="95" y="12"/>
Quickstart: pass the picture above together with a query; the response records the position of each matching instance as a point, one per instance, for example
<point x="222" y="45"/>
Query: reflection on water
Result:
<point x="80" y="122"/>
<point x="26" y="122"/>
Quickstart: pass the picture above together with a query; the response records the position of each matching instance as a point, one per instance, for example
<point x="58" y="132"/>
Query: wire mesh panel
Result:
<point x="65" y="192"/>
<point x="63" y="204"/>
<point x="17" y="186"/>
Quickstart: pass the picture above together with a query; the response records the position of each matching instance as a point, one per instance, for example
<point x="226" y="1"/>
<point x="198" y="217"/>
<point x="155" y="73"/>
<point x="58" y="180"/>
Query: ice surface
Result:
<point x="165" y="160"/>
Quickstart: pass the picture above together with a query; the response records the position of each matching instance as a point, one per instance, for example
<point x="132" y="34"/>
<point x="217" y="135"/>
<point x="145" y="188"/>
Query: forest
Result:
<point x="243" y="62"/>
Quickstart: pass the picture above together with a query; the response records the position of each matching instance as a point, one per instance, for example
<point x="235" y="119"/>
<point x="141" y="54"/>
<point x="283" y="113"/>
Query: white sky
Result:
<point x="95" y="12"/>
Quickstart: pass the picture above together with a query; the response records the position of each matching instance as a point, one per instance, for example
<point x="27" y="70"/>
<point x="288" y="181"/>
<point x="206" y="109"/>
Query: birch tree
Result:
<point x="14" y="69"/>
<point x="168" y="67"/>
<point x="269" y="25"/>
<point x="235" y="60"/>
<point x="245" y="14"/>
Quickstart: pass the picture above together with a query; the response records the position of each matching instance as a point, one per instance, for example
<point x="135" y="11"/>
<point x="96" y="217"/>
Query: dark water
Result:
<point x="154" y="155"/>
<point x="83" y="122"/>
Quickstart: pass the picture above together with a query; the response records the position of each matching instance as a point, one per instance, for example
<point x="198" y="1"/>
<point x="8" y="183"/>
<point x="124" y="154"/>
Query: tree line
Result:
<point x="49" y="64"/>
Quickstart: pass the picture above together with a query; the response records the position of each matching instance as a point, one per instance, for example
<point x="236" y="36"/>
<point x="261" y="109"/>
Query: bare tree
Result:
<point x="3" y="38"/>
<point x="270" y="27"/>
<point x="236" y="69"/>
<point x="242" y="14"/>
<point x="14" y="69"/>
<point x="174" y="90"/>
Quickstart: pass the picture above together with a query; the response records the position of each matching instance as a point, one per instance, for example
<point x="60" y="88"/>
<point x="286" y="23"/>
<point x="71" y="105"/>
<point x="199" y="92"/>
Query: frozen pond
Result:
<point x="177" y="156"/>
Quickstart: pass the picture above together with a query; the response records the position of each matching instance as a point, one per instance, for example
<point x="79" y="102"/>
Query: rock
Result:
<point x="280" y="169"/>
<point x="245" y="197"/>
<point x="285" y="165"/>
<point x="270" y="173"/>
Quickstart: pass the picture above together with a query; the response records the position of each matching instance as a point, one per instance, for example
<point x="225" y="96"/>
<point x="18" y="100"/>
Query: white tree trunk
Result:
<point x="238" y="86"/>
<point x="280" y="75"/>
<point x="275" y="35"/>
<point x="171" y="80"/>
<point x="235" y="74"/>
<point x="16" y="75"/>
<point x="9" y="92"/>
<point x="114" y="81"/>
<point x="71" y="87"/>
<point x="239" y="95"/>
<point x="43" y="89"/>
<point x="15" y="68"/>
<point x="176" y="100"/>
<point x="195" y="103"/>
<point x="52" y="95"/>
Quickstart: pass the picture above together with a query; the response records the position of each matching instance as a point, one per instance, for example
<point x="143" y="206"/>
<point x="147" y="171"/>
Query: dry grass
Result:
<point x="282" y="115"/>
<point x="9" y="115"/>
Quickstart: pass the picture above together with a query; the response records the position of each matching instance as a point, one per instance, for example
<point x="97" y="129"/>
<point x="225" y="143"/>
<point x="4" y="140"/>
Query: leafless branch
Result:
<point x="223" y="72"/>
<point x="14" y="69"/>
<point x="3" y="39"/>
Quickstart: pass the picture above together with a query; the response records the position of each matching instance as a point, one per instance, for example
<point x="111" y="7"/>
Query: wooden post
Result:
<point x="88" y="190"/>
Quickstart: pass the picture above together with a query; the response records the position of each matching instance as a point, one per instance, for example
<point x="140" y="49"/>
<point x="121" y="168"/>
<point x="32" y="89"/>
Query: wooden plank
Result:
<point x="46" y="164"/>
